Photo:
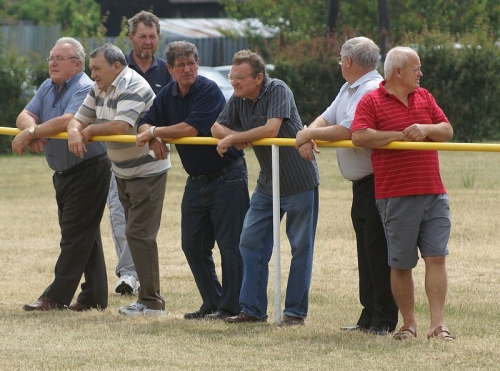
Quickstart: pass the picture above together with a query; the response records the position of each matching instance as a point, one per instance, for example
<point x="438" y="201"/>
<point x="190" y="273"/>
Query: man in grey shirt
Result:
<point x="262" y="107"/>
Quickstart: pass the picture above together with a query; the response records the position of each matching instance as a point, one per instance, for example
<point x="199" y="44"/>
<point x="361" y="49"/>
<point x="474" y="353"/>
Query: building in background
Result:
<point x="116" y="10"/>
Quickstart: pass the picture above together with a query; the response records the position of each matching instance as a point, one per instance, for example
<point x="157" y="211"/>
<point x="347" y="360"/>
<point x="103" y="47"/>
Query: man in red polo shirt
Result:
<point x="410" y="195"/>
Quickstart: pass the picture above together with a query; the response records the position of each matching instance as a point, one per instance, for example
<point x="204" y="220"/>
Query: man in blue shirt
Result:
<point x="144" y="34"/>
<point x="81" y="184"/>
<point x="215" y="198"/>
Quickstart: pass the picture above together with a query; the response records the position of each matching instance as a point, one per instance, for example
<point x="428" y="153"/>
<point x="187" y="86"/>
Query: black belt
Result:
<point x="209" y="177"/>
<point x="362" y="180"/>
<point x="82" y="165"/>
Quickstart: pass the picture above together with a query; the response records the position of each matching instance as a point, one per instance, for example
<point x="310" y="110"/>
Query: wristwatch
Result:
<point x="152" y="131"/>
<point x="32" y="130"/>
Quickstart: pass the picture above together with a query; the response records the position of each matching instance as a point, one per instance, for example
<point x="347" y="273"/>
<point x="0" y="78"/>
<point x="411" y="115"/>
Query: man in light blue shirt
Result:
<point x="81" y="184"/>
<point x="358" y="59"/>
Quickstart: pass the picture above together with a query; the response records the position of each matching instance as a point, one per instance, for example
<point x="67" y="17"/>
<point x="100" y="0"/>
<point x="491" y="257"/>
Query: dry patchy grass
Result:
<point x="29" y="236"/>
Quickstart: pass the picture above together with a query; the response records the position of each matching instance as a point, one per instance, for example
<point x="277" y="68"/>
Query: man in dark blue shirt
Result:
<point x="144" y="34"/>
<point x="215" y="198"/>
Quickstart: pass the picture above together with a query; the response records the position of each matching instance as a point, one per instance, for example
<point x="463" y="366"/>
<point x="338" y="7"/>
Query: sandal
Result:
<point x="441" y="333"/>
<point x="405" y="332"/>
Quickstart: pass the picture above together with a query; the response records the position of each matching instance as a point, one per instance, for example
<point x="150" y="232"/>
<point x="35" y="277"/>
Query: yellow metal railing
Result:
<point x="284" y="142"/>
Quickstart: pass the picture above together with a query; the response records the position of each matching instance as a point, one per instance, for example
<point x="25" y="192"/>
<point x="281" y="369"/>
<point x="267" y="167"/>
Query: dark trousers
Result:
<point x="81" y="198"/>
<point x="214" y="211"/>
<point x="375" y="295"/>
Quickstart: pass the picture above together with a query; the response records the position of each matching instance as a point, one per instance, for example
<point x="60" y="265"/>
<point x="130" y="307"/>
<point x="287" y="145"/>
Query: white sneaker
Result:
<point x="138" y="309"/>
<point x="127" y="285"/>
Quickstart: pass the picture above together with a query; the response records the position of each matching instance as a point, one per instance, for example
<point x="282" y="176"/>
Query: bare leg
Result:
<point x="436" y="284"/>
<point x="403" y="292"/>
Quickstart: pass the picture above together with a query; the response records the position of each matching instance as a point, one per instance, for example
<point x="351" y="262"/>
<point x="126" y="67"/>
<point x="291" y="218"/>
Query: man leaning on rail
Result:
<point x="410" y="194"/>
<point x="81" y="183"/>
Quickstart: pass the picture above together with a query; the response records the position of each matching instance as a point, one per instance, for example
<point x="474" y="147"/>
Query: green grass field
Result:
<point x="64" y="340"/>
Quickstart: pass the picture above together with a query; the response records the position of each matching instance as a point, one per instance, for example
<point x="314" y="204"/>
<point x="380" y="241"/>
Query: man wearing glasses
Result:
<point x="81" y="183"/>
<point x="358" y="61"/>
<point x="215" y="198"/>
<point x="262" y="107"/>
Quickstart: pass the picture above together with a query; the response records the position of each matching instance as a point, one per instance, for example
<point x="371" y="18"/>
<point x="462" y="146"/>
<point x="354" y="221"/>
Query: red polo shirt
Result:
<point x="401" y="172"/>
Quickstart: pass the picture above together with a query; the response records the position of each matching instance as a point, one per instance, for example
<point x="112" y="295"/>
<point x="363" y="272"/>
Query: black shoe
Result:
<point x="218" y="314"/>
<point x="199" y="314"/>
<point x="355" y="328"/>
<point x="377" y="331"/>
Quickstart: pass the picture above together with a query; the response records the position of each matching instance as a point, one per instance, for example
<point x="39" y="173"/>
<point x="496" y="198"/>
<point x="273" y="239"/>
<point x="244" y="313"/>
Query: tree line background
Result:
<point x="458" y="43"/>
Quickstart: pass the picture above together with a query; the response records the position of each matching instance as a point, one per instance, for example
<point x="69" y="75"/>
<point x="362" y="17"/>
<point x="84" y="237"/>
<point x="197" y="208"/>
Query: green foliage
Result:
<point x="456" y="17"/>
<point x="464" y="79"/>
<point x="77" y="18"/>
<point x="310" y="70"/>
<point x="19" y="78"/>
<point x="296" y="20"/>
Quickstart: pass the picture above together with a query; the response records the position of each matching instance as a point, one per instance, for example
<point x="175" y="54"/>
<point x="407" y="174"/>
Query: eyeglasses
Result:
<point x="238" y="79"/>
<point x="182" y="66"/>
<point x="414" y="70"/>
<point x="339" y="60"/>
<point x="59" y="59"/>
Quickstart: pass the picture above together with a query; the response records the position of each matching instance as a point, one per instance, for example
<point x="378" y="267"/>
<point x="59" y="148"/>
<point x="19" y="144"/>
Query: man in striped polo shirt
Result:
<point x="262" y="107"/>
<point x="411" y="197"/>
<point x="114" y="105"/>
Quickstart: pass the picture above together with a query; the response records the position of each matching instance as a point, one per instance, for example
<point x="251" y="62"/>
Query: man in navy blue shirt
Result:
<point x="215" y="198"/>
<point x="144" y="34"/>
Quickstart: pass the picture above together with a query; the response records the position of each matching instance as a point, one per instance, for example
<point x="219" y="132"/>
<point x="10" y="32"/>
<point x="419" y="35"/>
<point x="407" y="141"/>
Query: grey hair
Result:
<point x="363" y="52"/>
<point x="111" y="53"/>
<point x="397" y="57"/>
<point x="253" y="59"/>
<point x="149" y="19"/>
<point x="180" y="49"/>
<point x="78" y="49"/>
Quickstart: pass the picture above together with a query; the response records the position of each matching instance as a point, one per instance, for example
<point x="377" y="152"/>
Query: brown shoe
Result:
<point x="79" y="307"/>
<point x="43" y="303"/>
<point x="292" y="321"/>
<point x="243" y="317"/>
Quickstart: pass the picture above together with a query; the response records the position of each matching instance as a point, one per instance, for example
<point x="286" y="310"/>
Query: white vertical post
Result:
<point x="276" y="233"/>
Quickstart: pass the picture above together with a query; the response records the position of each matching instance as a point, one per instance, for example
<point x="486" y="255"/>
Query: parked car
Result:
<point x="225" y="70"/>
<point x="224" y="84"/>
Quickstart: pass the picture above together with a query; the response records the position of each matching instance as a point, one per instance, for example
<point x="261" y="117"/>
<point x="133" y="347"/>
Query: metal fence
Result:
<point x="29" y="39"/>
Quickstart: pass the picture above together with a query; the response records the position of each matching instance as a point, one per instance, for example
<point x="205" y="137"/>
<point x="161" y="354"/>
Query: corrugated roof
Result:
<point x="212" y="27"/>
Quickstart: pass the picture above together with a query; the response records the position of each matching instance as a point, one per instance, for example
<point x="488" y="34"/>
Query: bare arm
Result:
<point x="319" y="129"/>
<point x="159" y="147"/>
<point x="441" y="132"/>
<point x="269" y="130"/>
<point x="220" y="131"/>
<point x="26" y="119"/>
<point x="371" y="138"/>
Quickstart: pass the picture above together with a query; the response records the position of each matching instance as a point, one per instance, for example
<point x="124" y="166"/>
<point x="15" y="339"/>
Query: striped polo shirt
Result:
<point x="127" y="99"/>
<point x="275" y="101"/>
<point x="401" y="172"/>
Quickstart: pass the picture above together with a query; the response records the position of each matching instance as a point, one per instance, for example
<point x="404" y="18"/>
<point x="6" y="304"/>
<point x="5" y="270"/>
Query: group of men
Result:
<point x="399" y="202"/>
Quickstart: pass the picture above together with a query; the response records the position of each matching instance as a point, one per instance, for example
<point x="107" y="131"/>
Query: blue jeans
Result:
<point x="256" y="248"/>
<point x="214" y="211"/>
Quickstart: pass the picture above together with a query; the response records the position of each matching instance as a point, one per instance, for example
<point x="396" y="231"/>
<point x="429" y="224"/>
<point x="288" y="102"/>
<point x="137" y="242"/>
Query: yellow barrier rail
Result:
<point x="287" y="142"/>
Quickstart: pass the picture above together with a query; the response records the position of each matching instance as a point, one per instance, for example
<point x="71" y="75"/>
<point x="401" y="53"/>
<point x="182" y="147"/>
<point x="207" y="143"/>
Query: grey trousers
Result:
<point x="142" y="200"/>
<point x="125" y="265"/>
